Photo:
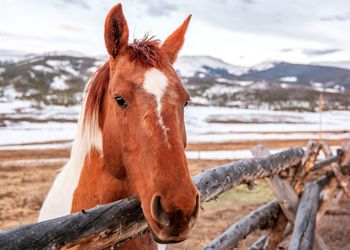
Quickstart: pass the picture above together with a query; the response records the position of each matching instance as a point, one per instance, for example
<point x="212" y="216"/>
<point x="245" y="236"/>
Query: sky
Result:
<point x="240" y="32"/>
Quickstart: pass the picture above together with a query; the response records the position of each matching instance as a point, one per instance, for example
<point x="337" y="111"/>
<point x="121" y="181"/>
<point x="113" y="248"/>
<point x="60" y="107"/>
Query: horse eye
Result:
<point x="121" y="102"/>
<point x="186" y="103"/>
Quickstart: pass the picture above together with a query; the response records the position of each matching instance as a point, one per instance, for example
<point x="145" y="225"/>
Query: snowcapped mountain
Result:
<point x="59" y="78"/>
<point x="190" y="66"/>
<point x="262" y="66"/>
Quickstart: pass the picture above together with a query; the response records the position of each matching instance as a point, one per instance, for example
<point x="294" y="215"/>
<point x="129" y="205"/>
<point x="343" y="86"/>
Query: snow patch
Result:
<point x="289" y="79"/>
<point x="64" y="65"/>
<point x="199" y="100"/>
<point x="263" y="66"/>
<point x="243" y="83"/>
<point x="218" y="90"/>
<point x="71" y="53"/>
<point x="59" y="83"/>
<point x="285" y="85"/>
<point x="42" y="68"/>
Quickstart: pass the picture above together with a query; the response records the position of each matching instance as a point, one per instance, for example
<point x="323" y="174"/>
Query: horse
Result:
<point x="131" y="138"/>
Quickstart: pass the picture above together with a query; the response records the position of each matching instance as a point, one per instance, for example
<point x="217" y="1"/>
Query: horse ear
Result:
<point x="174" y="42"/>
<point x="116" y="31"/>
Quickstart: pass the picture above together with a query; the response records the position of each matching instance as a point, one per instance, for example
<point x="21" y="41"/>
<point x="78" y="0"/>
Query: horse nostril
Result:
<point x="158" y="212"/>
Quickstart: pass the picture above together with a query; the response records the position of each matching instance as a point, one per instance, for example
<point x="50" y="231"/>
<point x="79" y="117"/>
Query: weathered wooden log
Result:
<point x="218" y="180"/>
<point x="305" y="222"/>
<point x="258" y="244"/>
<point x="255" y="220"/>
<point x="331" y="190"/>
<point x="325" y="163"/>
<point x="346" y="157"/>
<point x="312" y="150"/>
<point x="114" y="223"/>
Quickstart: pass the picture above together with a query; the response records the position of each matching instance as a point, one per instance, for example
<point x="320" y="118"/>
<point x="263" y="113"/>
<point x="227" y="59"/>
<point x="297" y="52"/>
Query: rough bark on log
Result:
<point x="332" y="188"/>
<point x="115" y="222"/>
<point x="325" y="163"/>
<point x="259" y="244"/>
<point x="218" y="180"/>
<point x="346" y="157"/>
<point x="255" y="220"/>
<point x="342" y="179"/>
<point x="312" y="150"/>
<point x="305" y="222"/>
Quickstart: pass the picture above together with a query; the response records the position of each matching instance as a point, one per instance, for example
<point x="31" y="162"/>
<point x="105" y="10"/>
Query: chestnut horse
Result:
<point x="131" y="138"/>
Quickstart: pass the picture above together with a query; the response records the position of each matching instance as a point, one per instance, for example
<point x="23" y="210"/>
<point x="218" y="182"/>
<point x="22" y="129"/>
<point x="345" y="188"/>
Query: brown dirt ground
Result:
<point x="23" y="187"/>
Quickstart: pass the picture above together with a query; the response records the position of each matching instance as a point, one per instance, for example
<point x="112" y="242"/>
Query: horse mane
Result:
<point x="145" y="51"/>
<point x="95" y="92"/>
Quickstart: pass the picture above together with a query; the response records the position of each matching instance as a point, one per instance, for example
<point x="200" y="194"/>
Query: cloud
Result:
<point x="50" y="39"/>
<point x="18" y="36"/>
<point x="249" y="1"/>
<point x="160" y="8"/>
<point x="68" y="27"/>
<point x="80" y="3"/>
<point x="221" y="1"/>
<point x="336" y="18"/>
<point x="286" y="50"/>
<point x="319" y="52"/>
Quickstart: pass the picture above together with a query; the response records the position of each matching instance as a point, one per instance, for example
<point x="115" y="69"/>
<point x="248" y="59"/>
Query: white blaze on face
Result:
<point x="155" y="83"/>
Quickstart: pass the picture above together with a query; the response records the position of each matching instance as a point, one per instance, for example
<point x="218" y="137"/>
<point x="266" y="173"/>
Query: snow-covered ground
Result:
<point x="204" y="124"/>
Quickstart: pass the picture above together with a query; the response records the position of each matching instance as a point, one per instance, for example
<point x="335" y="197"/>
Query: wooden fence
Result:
<point x="297" y="209"/>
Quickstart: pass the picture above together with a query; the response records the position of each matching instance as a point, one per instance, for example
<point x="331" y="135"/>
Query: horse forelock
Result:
<point x="147" y="52"/>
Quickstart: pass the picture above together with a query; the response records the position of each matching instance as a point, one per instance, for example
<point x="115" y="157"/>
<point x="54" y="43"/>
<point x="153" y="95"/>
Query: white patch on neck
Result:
<point x="156" y="83"/>
<point x="60" y="197"/>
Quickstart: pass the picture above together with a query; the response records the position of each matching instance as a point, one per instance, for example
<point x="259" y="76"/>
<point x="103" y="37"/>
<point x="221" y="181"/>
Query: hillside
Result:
<point x="59" y="78"/>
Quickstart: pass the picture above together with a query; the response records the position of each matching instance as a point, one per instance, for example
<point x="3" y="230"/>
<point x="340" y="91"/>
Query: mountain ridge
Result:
<point x="55" y="78"/>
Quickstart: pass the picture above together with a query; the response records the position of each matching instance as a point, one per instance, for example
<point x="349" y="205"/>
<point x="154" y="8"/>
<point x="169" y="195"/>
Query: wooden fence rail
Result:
<point x="118" y="221"/>
<point x="305" y="221"/>
<point x="114" y="223"/>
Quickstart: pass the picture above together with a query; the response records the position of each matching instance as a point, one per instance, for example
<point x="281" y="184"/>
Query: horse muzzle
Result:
<point x="172" y="226"/>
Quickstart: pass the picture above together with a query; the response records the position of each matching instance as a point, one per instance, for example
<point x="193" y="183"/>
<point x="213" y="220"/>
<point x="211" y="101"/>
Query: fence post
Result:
<point x="305" y="221"/>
